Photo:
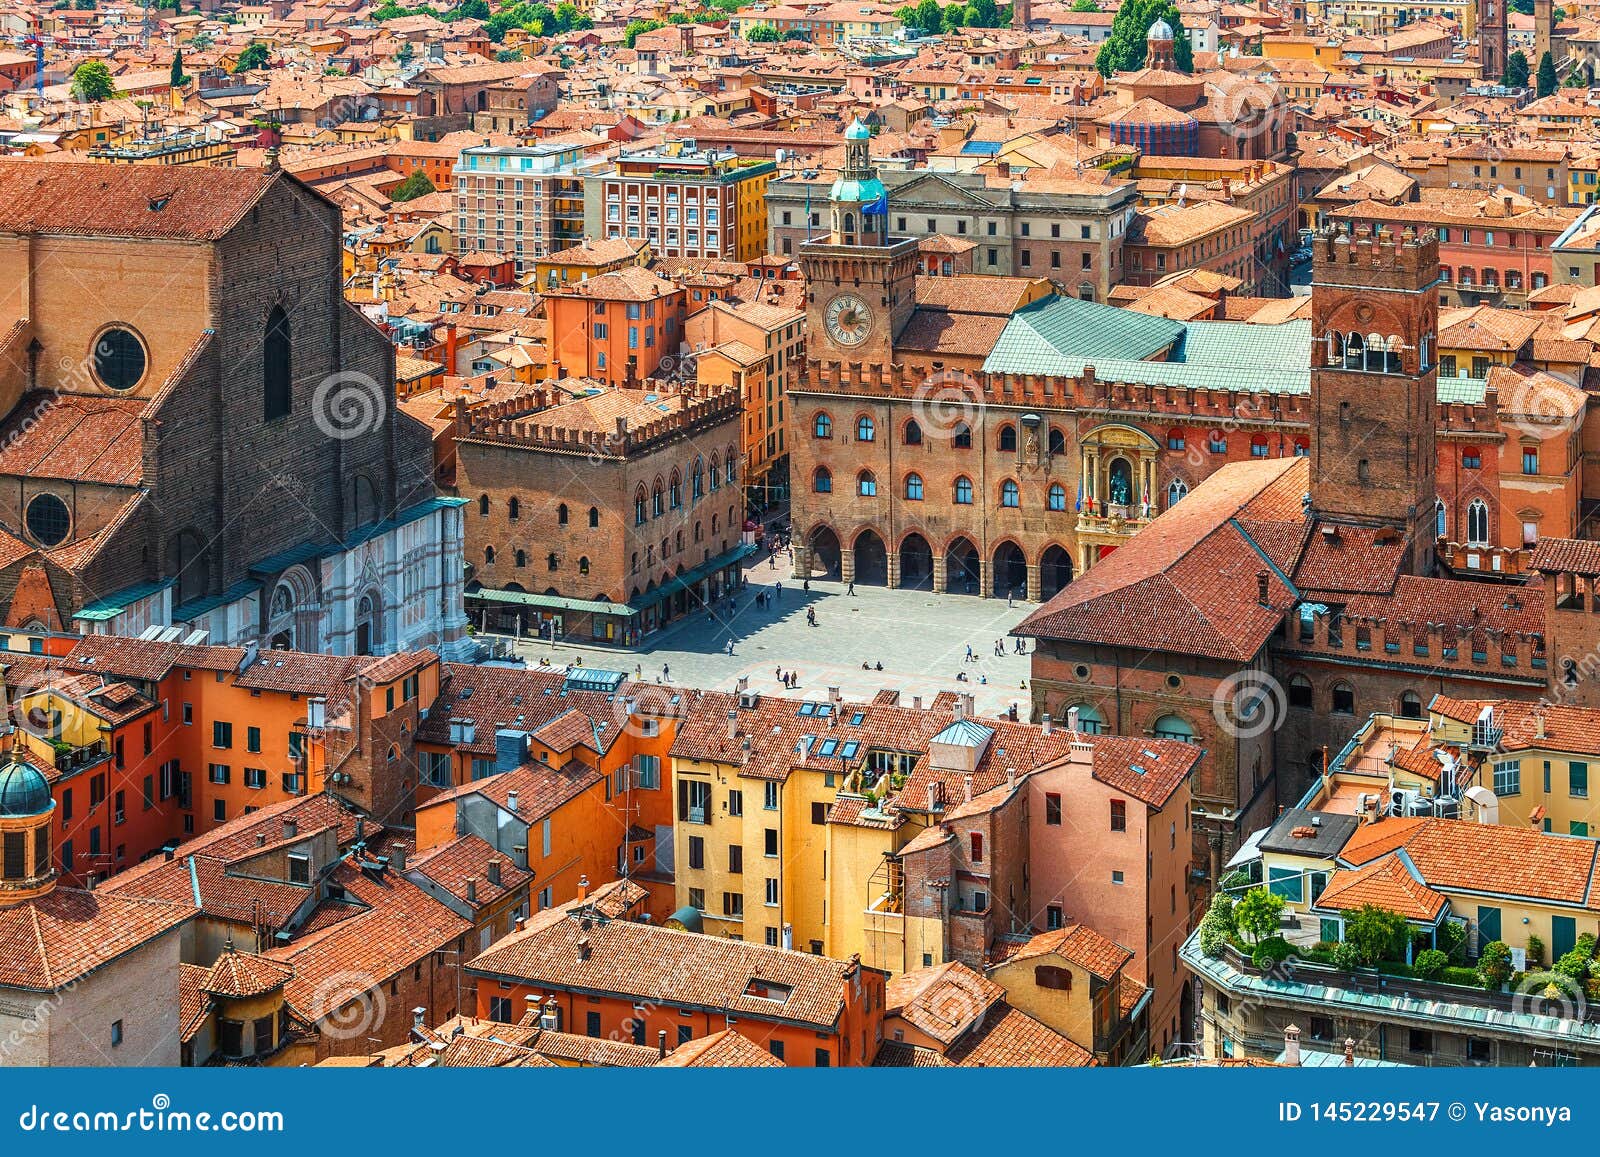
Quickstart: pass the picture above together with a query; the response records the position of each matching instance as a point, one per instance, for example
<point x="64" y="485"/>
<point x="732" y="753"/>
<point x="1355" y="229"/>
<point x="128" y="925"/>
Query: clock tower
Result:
<point x="860" y="282"/>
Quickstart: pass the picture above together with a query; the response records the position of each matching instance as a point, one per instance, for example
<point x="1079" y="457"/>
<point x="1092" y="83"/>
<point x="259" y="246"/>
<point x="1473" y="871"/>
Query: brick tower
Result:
<point x="1492" y="40"/>
<point x="1544" y="19"/>
<point x="1375" y="325"/>
<point x="860" y="282"/>
<point x="1021" y="14"/>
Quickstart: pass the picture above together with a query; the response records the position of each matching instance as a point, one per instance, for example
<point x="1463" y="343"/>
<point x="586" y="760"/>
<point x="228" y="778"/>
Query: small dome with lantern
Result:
<point x="1160" y="30"/>
<point x="24" y="791"/>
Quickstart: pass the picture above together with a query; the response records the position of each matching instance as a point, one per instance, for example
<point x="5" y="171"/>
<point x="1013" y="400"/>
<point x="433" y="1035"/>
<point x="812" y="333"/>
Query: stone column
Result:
<point x="894" y="569"/>
<point x="938" y="574"/>
<point x="1034" y="591"/>
<point x="847" y="564"/>
<point x="985" y="576"/>
<point x="802" y="563"/>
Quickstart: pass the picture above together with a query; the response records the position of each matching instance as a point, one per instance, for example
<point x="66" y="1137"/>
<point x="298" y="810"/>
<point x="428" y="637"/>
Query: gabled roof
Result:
<point x="182" y="203"/>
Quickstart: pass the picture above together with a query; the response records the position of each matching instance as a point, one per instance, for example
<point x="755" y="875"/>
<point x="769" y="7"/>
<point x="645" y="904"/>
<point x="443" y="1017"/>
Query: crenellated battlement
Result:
<point x="549" y="419"/>
<point x="1376" y="256"/>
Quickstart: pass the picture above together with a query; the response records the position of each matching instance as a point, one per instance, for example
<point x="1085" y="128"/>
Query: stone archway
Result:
<point x="822" y="547"/>
<point x="871" y="560"/>
<point x="916" y="564"/>
<point x="1010" y="572"/>
<point x="963" y="568"/>
<point x="1055" y="572"/>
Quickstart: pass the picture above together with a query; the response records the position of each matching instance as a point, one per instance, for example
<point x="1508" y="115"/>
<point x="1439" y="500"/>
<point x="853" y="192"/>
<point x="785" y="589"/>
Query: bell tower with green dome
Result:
<point x="860" y="281"/>
<point x="27" y="866"/>
<point x="858" y="202"/>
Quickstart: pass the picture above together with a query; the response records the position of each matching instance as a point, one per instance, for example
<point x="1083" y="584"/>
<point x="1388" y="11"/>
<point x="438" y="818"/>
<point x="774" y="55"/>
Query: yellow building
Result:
<point x="581" y="262"/>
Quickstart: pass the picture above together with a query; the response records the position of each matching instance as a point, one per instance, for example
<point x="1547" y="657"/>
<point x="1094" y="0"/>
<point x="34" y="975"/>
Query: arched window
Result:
<point x="583" y="565"/>
<point x="1090" y="721"/>
<point x="1008" y="438"/>
<point x="821" y="426"/>
<point x="914" y="487"/>
<point x="1441" y="519"/>
<point x="1176" y="489"/>
<point x="594" y="516"/>
<point x="865" y="430"/>
<point x="1058" y="496"/>
<point x="561" y="513"/>
<point x="1302" y="446"/>
<point x="1172" y="727"/>
<point x="1301" y="693"/>
<point x="521" y="558"/>
<point x="551" y="562"/>
<point x="483" y="505"/>
<point x="1355" y="351"/>
<point x="276" y="368"/>
<point x="1217" y="443"/>
<point x="963" y="491"/>
<point x="697" y="483"/>
<point x="1176" y="439"/>
<point x="913" y="433"/>
<point x="639" y="506"/>
<point x="1410" y="705"/>
<point x="1344" y="699"/>
<point x="675" y="491"/>
<point x="1010" y="494"/>
<point x="716" y="473"/>
<point x="658" y="501"/>
<point x="822" y="480"/>
<point x="1478" y="523"/>
<point x="1260" y="446"/>
<point x="488" y="554"/>
<point x="1058" y="441"/>
<point x="699" y="531"/>
<point x="962" y="437"/>
<point x="730" y="468"/>
<point x="867" y="484"/>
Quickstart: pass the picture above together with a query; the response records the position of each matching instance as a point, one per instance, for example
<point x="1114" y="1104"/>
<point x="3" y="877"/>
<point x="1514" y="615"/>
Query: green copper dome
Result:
<point x="858" y="131"/>
<point x="24" y="791"/>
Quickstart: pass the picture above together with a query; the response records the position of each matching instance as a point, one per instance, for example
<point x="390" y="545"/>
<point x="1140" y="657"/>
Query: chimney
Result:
<point x="583" y="948"/>
<point x="290" y="829"/>
<point x="788" y="936"/>
<point x="583" y="887"/>
<point x="966" y="788"/>
<point x="933" y="796"/>
<point x="1538" y="726"/>
<point x="733" y="725"/>
<point x="417" y="1015"/>
<point x="1047" y="724"/>
<point x="494" y="872"/>
<point x="1072" y="719"/>
<point x="511" y="801"/>
<point x="1011" y="778"/>
<point x="517" y="926"/>
<point x="661" y="1043"/>
<point x="1349" y="1052"/>
<point x="1507" y="202"/>
<point x="1227" y="189"/>
<point x="472" y="889"/>
<point x="1291" y="1046"/>
<point x="169" y="854"/>
<point x="397" y="858"/>
<point x="916" y="703"/>
<point x="1262" y="588"/>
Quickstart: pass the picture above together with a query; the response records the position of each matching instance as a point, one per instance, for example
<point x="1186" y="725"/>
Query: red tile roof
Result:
<point x="198" y="203"/>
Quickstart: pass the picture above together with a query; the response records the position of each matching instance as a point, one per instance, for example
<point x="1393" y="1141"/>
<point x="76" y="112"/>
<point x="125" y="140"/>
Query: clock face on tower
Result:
<point x="848" y="319"/>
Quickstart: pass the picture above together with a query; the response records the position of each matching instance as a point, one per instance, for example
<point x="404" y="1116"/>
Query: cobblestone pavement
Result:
<point x="920" y="638"/>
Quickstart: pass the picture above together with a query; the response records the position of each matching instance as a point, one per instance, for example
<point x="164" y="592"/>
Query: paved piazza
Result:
<point x="920" y="638"/>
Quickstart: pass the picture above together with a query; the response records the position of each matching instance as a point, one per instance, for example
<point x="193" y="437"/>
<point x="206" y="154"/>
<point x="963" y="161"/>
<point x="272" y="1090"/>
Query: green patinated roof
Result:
<point x="1061" y="335"/>
<point x="864" y="191"/>
<point x="858" y="131"/>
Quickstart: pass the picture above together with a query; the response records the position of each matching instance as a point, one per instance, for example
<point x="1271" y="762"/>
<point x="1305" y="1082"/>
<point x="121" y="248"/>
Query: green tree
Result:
<point x="1125" y="49"/>
<point x="1376" y="933"/>
<point x="797" y="34"/>
<point x="1523" y="6"/>
<point x="92" y="81"/>
<point x="1547" y="75"/>
<point x="414" y="186"/>
<point x="507" y="55"/>
<point x="178" y="79"/>
<point x="255" y="55"/>
<point x="929" y="16"/>
<point x="567" y="15"/>
<point x="1516" y="70"/>
<point x="763" y="34"/>
<point x="1085" y="6"/>
<point x="1494" y="964"/>
<point x="469" y="10"/>
<point x="635" y="28"/>
<point x="1256" y="914"/>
